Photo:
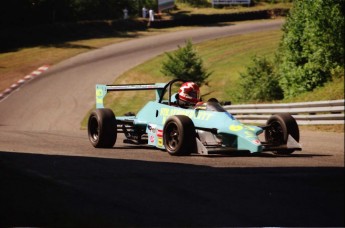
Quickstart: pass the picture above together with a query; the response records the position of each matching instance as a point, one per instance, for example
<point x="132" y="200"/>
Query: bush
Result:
<point x="312" y="46"/>
<point x="259" y="82"/>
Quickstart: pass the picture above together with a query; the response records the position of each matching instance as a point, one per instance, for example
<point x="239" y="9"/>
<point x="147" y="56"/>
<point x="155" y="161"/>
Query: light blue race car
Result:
<point x="204" y="129"/>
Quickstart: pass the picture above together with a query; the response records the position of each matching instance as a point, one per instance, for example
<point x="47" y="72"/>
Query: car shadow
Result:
<point x="262" y="155"/>
<point x="296" y="154"/>
<point x="55" y="190"/>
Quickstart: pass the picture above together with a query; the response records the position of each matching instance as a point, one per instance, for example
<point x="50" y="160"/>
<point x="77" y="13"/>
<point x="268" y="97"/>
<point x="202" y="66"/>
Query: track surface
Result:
<point x="50" y="175"/>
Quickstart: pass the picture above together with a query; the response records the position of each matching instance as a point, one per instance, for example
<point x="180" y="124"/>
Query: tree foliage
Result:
<point x="310" y="53"/>
<point x="259" y="82"/>
<point x="32" y="12"/>
<point x="185" y="64"/>
<point x="312" y="46"/>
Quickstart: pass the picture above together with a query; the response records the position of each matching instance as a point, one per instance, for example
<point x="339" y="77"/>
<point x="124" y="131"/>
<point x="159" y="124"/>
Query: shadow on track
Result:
<point x="52" y="190"/>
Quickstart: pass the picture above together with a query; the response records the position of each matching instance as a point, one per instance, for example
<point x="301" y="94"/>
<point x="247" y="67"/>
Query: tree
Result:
<point x="312" y="46"/>
<point x="259" y="82"/>
<point x="185" y="64"/>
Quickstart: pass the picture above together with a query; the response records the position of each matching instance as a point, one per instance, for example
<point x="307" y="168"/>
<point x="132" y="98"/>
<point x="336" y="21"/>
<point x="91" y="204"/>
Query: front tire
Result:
<point x="179" y="135"/>
<point x="102" y="128"/>
<point x="280" y="126"/>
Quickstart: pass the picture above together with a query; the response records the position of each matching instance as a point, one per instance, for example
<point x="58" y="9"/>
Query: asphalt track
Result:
<point x="51" y="176"/>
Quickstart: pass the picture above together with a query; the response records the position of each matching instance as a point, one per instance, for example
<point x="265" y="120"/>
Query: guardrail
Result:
<point x="305" y="113"/>
<point x="230" y="2"/>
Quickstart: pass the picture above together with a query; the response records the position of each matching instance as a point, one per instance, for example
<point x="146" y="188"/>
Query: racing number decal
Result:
<point x="235" y="127"/>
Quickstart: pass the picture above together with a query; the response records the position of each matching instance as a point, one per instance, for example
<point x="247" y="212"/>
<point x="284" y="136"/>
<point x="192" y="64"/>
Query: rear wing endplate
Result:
<point x="102" y="90"/>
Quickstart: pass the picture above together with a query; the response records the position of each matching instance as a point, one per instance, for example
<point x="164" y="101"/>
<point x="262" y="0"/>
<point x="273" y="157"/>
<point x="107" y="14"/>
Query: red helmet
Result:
<point x="189" y="92"/>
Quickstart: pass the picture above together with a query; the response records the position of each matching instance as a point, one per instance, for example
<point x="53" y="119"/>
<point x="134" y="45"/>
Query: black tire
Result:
<point x="102" y="128"/>
<point x="280" y="126"/>
<point x="179" y="135"/>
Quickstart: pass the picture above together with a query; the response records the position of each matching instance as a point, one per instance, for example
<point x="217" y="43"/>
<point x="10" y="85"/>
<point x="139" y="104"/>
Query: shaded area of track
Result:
<point x="97" y="191"/>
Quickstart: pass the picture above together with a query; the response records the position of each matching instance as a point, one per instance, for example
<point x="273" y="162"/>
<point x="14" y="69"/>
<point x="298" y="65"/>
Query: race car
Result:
<point x="204" y="129"/>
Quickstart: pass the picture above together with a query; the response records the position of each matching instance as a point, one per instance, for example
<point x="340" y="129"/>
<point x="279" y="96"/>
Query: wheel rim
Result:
<point x="172" y="137"/>
<point x="275" y="133"/>
<point x="94" y="129"/>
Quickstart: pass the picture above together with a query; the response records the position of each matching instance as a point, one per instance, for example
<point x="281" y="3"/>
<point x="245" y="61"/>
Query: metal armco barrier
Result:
<point x="305" y="113"/>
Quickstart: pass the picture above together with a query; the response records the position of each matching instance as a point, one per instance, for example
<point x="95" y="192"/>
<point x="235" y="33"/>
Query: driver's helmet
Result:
<point x="189" y="93"/>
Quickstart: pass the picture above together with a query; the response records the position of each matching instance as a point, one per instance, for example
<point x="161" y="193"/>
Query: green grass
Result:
<point x="333" y="90"/>
<point x="227" y="57"/>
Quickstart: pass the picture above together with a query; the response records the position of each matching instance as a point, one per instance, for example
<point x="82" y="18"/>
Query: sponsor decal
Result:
<point x="160" y="142"/>
<point x="191" y="113"/>
<point x="152" y="139"/>
<point x="160" y="133"/>
<point x="99" y="92"/>
<point x="152" y="128"/>
<point x="99" y="96"/>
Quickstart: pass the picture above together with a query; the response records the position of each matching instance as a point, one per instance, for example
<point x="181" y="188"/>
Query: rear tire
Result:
<point x="280" y="126"/>
<point x="102" y="128"/>
<point x="179" y="135"/>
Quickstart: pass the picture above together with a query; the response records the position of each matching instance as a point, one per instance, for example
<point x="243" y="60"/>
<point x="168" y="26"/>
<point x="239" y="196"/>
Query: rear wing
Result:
<point x="102" y="90"/>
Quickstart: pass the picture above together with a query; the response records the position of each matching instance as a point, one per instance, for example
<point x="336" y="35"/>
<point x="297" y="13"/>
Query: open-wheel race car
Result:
<point x="205" y="128"/>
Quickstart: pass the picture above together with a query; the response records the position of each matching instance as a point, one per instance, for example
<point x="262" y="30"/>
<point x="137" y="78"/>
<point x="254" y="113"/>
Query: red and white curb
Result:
<point x="21" y="82"/>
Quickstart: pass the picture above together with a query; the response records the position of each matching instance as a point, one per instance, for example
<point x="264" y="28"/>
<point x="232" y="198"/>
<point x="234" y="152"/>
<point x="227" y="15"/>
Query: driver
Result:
<point x="188" y="94"/>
